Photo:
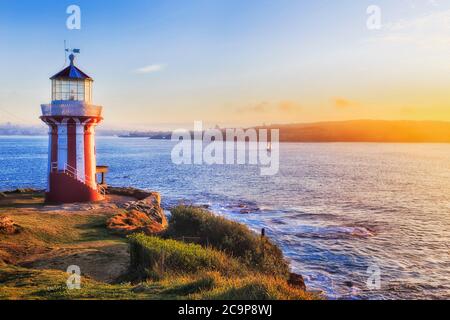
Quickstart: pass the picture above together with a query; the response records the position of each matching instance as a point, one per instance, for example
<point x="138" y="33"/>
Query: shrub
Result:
<point x="236" y="239"/>
<point x="154" y="257"/>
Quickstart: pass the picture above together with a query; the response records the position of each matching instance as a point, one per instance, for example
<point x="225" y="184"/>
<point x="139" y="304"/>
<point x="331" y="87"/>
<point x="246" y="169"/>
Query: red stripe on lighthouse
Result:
<point x="72" y="143"/>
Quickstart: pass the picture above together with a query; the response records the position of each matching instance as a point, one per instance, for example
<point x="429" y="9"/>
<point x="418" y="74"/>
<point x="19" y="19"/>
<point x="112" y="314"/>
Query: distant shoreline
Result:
<point x="284" y="142"/>
<point x="355" y="131"/>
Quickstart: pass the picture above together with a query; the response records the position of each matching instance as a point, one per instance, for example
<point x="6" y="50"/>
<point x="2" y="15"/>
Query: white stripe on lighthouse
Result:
<point x="80" y="150"/>
<point x="62" y="144"/>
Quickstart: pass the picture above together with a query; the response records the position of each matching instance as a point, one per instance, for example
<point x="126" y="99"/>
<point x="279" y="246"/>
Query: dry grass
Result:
<point x="55" y="237"/>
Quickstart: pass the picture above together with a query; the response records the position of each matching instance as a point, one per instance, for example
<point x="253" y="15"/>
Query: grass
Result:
<point x="21" y="200"/>
<point x="25" y="284"/>
<point x="256" y="287"/>
<point x="19" y="283"/>
<point x="40" y="231"/>
<point x="58" y="228"/>
<point x="233" y="238"/>
<point x="230" y="262"/>
<point x="157" y="257"/>
<point x="193" y="286"/>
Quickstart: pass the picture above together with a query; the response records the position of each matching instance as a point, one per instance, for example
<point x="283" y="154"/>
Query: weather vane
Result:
<point x="72" y="53"/>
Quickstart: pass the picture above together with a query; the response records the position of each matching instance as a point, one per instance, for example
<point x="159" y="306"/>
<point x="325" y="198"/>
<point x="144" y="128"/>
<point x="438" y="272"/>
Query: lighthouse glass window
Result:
<point x="71" y="90"/>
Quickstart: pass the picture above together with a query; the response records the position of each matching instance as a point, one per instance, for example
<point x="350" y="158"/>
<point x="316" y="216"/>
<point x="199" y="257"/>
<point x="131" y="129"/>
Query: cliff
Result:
<point x="39" y="242"/>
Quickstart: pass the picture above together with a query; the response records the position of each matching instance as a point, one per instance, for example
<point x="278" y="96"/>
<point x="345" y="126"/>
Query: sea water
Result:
<point x="337" y="209"/>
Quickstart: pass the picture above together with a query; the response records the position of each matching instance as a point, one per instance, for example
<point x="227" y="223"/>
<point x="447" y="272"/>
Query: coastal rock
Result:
<point x="144" y="215"/>
<point x="244" y="208"/>
<point x="297" y="281"/>
<point x="8" y="226"/>
<point x="22" y="191"/>
<point x="134" y="193"/>
<point x="150" y="207"/>
<point x="134" y="221"/>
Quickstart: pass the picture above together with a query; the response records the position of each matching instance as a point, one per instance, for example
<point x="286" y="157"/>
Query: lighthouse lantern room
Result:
<point x="72" y="118"/>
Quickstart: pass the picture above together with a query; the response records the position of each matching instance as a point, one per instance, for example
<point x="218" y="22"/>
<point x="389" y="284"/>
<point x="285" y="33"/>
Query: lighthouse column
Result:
<point x="89" y="155"/>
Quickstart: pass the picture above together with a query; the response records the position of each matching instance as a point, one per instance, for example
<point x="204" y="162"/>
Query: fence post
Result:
<point x="263" y="235"/>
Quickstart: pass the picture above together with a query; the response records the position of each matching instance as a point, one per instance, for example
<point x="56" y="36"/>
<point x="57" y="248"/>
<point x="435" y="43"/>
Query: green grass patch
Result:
<point x="156" y="257"/>
<point x="235" y="239"/>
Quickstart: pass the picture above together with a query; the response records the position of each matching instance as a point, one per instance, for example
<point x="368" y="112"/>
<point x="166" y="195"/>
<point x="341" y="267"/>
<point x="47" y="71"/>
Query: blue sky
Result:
<point x="165" y="63"/>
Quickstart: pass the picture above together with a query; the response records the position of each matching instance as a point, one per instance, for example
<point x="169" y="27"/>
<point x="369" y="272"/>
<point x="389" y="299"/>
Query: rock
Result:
<point x="8" y="226"/>
<point x="135" y="221"/>
<point x="348" y="284"/>
<point x="297" y="281"/>
<point x="245" y="207"/>
<point x="2" y="195"/>
<point x="23" y="190"/>
<point x="144" y="215"/>
<point x="132" y="192"/>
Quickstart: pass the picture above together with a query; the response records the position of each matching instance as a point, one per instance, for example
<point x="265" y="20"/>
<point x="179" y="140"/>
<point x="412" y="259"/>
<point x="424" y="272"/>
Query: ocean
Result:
<point x="357" y="220"/>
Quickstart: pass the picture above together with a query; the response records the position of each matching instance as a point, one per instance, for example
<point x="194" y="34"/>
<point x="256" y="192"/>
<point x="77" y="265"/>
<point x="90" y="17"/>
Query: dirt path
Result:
<point x="103" y="261"/>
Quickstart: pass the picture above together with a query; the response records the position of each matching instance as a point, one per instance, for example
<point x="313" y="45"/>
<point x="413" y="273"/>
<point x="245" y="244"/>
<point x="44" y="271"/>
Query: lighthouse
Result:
<point x="72" y="118"/>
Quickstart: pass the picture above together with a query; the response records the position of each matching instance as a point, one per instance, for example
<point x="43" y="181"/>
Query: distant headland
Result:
<point x="347" y="131"/>
<point x="401" y="131"/>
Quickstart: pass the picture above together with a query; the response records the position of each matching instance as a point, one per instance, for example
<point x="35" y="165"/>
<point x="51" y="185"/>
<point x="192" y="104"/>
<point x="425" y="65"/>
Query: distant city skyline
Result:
<point x="164" y="64"/>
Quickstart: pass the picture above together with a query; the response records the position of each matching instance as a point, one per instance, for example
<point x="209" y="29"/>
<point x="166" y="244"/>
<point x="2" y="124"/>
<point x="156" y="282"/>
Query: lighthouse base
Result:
<point x="66" y="189"/>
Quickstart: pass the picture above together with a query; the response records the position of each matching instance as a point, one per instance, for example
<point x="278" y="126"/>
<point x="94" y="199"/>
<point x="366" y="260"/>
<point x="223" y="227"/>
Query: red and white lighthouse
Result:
<point x="72" y="118"/>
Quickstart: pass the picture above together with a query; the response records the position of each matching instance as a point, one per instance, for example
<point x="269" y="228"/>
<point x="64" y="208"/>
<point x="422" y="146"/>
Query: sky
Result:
<point x="163" y="64"/>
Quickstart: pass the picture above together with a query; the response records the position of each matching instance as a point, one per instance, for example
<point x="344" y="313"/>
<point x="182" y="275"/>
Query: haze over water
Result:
<point x="335" y="209"/>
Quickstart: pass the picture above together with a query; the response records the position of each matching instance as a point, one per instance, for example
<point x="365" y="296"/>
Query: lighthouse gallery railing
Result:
<point x="71" y="109"/>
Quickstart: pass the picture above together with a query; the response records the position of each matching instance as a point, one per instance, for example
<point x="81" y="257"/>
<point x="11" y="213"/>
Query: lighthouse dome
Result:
<point x="71" y="84"/>
<point x="71" y="72"/>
